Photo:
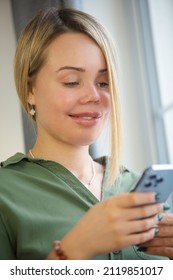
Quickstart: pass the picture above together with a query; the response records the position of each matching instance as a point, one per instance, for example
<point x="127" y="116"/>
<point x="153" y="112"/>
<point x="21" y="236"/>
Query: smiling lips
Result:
<point x="86" y="119"/>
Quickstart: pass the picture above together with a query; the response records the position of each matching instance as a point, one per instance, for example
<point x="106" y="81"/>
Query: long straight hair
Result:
<point x="30" y="57"/>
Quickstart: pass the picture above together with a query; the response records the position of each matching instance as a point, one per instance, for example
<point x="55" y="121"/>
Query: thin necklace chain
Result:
<point x="93" y="174"/>
<point x="31" y="154"/>
<point x="93" y="170"/>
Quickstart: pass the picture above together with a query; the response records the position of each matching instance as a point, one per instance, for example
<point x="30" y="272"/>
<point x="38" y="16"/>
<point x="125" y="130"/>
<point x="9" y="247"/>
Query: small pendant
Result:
<point x="86" y="185"/>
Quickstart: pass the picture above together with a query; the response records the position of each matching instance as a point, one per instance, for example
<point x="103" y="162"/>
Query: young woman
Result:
<point x="65" y="74"/>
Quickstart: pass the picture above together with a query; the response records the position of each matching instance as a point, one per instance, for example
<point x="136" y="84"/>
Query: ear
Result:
<point x="31" y="92"/>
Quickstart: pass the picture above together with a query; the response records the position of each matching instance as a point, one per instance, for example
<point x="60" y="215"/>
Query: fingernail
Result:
<point x="160" y="217"/>
<point x="142" y="249"/>
<point x="156" y="231"/>
<point x="157" y="196"/>
<point x="166" y="206"/>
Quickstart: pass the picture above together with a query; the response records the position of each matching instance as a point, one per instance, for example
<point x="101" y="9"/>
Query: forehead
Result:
<point x="75" y="48"/>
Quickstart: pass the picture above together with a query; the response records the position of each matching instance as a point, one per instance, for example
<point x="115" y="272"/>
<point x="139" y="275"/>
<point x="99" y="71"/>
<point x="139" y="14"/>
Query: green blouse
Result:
<point x="40" y="201"/>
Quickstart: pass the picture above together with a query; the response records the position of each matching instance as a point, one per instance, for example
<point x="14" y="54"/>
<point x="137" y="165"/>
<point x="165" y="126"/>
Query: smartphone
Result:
<point x="157" y="178"/>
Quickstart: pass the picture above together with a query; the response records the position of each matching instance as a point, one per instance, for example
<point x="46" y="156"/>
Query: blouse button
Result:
<point x="116" y="252"/>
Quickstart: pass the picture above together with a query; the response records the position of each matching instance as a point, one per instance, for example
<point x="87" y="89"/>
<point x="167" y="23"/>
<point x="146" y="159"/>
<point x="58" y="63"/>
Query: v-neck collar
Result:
<point x="62" y="172"/>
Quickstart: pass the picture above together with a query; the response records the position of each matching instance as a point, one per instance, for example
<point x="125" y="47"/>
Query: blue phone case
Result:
<point x="157" y="178"/>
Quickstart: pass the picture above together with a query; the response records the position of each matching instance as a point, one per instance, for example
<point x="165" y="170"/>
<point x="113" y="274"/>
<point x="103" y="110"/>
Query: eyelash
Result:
<point x="73" y="84"/>
<point x="103" y="85"/>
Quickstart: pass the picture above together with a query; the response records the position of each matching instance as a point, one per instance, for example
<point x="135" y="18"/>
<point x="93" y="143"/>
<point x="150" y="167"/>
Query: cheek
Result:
<point x="106" y="101"/>
<point x="54" y="102"/>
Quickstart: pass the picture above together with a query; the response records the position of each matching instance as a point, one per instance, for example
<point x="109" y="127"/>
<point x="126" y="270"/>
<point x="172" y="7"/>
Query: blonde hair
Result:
<point x="30" y="56"/>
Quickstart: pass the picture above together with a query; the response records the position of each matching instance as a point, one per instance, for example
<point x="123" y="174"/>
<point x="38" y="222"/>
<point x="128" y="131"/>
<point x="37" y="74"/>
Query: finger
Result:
<point x="159" y="242"/>
<point x="167" y="219"/>
<point x="143" y="225"/>
<point x="135" y="199"/>
<point x="161" y="251"/>
<point x="140" y="238"/>
<point x="165" y="231"/>
<point x="143" y="212"/>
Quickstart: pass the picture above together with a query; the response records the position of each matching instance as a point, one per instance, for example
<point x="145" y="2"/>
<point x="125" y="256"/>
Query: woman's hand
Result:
<point x="111" y="225"/>
<point x="162" y="244"/>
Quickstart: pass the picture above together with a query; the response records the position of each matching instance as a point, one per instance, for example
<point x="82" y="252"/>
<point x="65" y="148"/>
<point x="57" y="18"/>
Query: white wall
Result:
<point x="112" y="13"/>
<point x="11" y="135"/>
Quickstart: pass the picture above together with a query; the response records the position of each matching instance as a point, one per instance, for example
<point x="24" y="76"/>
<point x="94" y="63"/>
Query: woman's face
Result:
<point x="71" y="91"/>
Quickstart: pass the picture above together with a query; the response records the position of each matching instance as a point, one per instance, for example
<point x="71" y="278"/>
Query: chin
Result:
<point x="87" y="142"/>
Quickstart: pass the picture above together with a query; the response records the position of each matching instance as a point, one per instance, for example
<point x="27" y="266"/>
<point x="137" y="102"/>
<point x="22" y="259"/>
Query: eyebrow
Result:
<point x="79" y="69"/>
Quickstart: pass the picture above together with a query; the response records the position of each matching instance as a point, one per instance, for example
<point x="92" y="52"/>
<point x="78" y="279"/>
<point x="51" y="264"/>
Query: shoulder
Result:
<point x="8" y="171"/>
<point x="125" y="182"/>
<point x="14" y="159"/>
<point x="127" y="179"/>
<point x="15" y="167"/>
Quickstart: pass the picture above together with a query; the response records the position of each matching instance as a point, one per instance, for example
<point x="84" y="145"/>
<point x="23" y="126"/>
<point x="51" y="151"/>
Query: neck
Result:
<point x="75" y="159"/>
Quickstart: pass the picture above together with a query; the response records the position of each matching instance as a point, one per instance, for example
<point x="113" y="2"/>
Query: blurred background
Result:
<point x="143" y="34"/>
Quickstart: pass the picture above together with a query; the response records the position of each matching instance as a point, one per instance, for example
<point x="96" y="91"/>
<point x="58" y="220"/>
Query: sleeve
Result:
<point x="6" y="250"/>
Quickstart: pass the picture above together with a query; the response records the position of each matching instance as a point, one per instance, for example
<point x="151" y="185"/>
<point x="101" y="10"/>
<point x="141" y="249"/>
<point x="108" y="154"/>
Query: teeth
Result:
<point x="87" y="118"/>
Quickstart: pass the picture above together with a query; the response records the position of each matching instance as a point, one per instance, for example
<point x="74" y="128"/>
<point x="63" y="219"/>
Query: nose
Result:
<point x="90" y="94"/>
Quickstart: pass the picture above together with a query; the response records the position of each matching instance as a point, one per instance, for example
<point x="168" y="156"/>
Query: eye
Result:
<point x="71" y="84"/>
<point x="103" y="85"/>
